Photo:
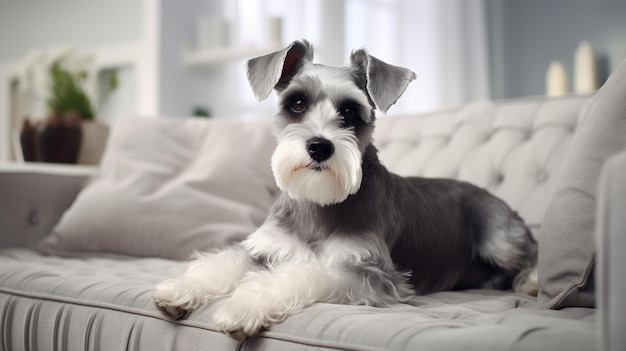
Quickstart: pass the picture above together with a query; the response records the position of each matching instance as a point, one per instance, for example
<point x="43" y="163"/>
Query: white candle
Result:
<point x="556" y="79"/>
<point x="585" y="72"/>
<point x="204" y="36"/>
<point x="212" y="32"/>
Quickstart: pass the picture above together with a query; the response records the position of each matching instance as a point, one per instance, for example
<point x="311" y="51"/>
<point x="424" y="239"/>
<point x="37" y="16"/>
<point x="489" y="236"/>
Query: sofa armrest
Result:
<point x="611" y="274"/>
<point x="33" y="197"/>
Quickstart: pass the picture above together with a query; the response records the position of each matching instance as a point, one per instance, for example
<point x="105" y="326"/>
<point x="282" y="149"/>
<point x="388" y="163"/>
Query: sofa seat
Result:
<point x="102" y="303"/>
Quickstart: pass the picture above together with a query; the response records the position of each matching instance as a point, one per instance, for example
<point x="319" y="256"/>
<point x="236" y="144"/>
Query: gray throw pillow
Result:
<point x="567" y="238"/>
<point x="168" y="187"/>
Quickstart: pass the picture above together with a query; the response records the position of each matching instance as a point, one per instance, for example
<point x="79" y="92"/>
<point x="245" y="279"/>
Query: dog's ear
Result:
<point x="385" y="83"/>
<point x="276" y="70"/>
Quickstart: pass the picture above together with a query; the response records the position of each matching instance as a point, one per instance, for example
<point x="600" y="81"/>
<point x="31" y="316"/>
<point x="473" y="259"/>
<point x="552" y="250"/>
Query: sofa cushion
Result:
<point x="512" y="148"/>
<point x="99" y="303"/>
<point x="165" y="189"/>
<point x="566" y="241"/>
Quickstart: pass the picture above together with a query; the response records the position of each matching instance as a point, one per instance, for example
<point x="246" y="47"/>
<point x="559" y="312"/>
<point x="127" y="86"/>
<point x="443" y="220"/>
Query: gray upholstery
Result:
<point x="186" y="182"/>
<point x="611" y="241"/>
<point x="33" y="198"/>
<point x="567" y="251"/>
<point x="512" y="148"/>
<point x="104" y="304"/>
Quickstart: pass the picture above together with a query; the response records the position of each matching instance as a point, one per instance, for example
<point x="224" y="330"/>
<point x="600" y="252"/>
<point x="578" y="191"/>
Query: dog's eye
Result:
<point x="297" y="106"/>
<point x="350" y="112"/>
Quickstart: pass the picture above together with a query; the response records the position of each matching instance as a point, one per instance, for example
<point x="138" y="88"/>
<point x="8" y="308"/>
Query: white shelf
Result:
<point x="207" y="58"/>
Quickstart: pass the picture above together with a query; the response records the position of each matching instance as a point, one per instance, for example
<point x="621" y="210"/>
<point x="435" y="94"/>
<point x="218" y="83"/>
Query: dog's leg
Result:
<point x="347" y="271"/>
<point x="507" y="244"/>
<point x="293" y="280"/>
<point x="269" y="297"/>
<point x="527" y="281"/>
<point x="365" y="272"/>
<point x="209" y="276"/>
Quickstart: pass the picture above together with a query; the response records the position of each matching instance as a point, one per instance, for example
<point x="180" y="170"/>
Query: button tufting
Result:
<point x="541" y="176"/>
<point x="571" y="128"/>
<point x="499" y="178"/>
<point x="33" y="217"/>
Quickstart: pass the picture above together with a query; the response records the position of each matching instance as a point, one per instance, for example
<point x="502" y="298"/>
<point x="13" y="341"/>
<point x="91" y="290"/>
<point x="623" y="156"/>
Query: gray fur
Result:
<point x="345" y="230"/>
<point x="265" y="72"/>
<point x="448" y="234"/>
<point x="385" y="82"/>
<point x="433" y="228"/>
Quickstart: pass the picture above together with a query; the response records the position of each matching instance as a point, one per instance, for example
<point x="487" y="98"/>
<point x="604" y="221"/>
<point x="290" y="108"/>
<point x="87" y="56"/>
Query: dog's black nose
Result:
<point x="320" y="149"/>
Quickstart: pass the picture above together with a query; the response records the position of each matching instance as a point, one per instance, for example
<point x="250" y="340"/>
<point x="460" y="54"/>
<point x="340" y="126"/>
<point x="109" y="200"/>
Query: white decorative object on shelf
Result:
<point x="213" y="45"/>
<point x="585" y="69"/>
<point x="556" y="79"/>
<point x="212" y="32"/>
<point x="274" y="30"/>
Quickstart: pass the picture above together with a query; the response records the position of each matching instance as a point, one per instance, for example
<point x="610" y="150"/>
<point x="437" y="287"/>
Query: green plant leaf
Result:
<point x="68" y="93"/>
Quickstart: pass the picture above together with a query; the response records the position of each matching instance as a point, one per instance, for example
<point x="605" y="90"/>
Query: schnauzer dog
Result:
<point x="345" y="230"/>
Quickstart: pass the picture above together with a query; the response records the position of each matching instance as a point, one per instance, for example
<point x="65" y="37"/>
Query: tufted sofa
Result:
<point x="83" y="247"/>
<point x="513" y="149"/>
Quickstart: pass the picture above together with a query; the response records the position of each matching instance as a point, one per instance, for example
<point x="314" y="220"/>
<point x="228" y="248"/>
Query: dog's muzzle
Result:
<point x="320" y="149"/>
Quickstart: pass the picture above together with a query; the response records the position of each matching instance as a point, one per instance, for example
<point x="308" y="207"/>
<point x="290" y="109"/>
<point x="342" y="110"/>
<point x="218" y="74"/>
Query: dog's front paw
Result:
<point x="175" y="298"/>
<point x="172" y="312"/>
<point x="240" y="320"/>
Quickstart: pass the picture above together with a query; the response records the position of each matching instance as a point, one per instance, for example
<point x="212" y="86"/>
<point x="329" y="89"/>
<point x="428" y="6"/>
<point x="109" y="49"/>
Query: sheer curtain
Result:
<point x="443" y="41"/>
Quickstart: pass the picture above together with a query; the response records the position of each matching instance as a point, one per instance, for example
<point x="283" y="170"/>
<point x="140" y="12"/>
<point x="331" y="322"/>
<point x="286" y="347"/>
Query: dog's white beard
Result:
<point x="339" y="176"/>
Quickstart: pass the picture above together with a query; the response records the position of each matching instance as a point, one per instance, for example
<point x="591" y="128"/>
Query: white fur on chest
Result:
<point x="276" y="247"/>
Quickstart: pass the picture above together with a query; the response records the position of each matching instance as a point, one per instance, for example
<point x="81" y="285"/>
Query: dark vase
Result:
<point x="58" y="140"/>
<point x="27" y="141"/>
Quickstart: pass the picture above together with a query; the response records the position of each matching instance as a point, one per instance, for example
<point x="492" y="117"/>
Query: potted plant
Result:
<point x="61" y="86"/>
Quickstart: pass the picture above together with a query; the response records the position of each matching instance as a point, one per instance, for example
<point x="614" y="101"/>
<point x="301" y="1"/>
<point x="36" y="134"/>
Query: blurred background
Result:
<point x="185" y="57"/>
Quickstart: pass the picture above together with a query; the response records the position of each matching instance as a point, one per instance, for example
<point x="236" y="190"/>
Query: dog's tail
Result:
<point x="527" y="281"/>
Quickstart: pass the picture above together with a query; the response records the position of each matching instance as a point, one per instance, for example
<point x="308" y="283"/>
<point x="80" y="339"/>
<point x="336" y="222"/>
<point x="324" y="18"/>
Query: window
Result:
<point x="443" y="41"/>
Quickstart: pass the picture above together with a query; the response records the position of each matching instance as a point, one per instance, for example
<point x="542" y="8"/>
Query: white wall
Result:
<point x="34" y="24"/>
<point x="525" y="36"/>
<point x="181" y="89"/>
